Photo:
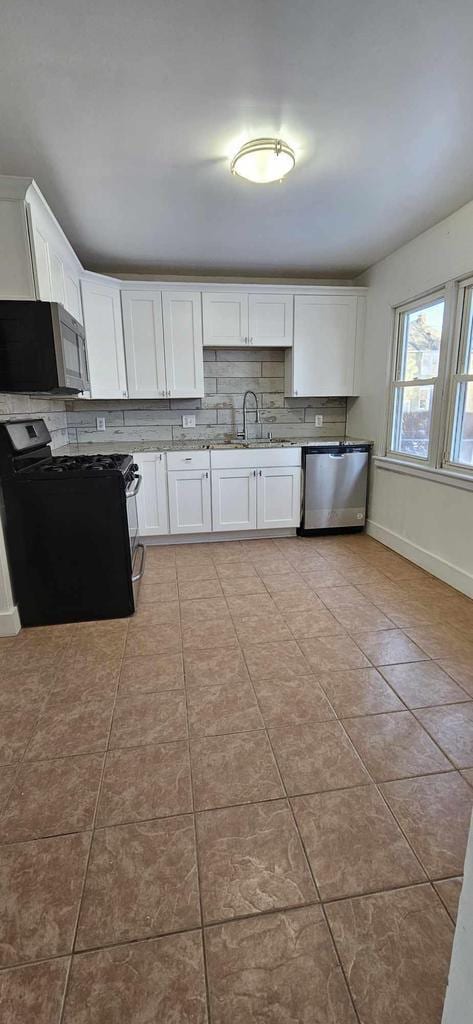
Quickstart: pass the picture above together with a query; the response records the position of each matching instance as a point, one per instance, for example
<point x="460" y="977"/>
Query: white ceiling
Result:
<point x="126" y="114"/>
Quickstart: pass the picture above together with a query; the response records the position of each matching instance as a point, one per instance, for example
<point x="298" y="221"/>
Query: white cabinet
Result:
<point x="225" y="319"/>
<point x="163" y="343"/>
<point x="234" y="499"/>
<point x="189" y="501"/>
<point x="182" y="319"/>
<point x="278" y="497"/>
<point x="152" y="497"/>
<point x="326" y="336"/>
<point x="104" y="333"/>
<point x="237" y="318"/>
<point x="144" y="343"/>
<point x="270" y="319"/>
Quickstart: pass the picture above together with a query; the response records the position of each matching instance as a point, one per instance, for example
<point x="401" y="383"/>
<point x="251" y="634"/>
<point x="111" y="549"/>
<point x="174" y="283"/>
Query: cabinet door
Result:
<point x="225" y="318"/>
<point x="41" y="263"/>
<point x="152" y="497"/>
<point x="279" y="497"/>
<point x="234" y="499"/>
<point x="323" y="357"/>
<point x="56" y="267"/>
<point x="103" y="327"/>
<point x="182" y="318"/>
<point x="189" y="501"/>
<point x="271" y="320"/>
<point x="72" y="299"/>
<point x="144" y="343"/>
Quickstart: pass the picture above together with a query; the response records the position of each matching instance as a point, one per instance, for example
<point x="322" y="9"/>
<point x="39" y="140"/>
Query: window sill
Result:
<point x="439" y="476"/>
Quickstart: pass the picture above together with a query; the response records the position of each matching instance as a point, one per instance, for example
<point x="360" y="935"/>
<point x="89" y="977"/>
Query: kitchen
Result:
<point x="235" y="601"/>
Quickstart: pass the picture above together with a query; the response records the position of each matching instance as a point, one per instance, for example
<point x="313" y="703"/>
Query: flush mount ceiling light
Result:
<point x="263" y="160"/>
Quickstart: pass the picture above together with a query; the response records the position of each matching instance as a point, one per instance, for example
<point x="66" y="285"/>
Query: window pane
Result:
<point x="463" y="437"/>
<point x="411" y="424"/>
<point x="469" y="337"/>
<point x="421" y="331"/>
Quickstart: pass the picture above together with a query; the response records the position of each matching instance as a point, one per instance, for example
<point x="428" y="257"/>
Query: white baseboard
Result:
<point x="10" y="623"/>
<point x="438" y="567"/>
<point x="216" y="538"/>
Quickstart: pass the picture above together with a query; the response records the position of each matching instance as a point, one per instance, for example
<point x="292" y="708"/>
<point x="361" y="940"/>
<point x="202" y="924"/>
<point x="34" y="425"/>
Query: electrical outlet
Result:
<point x="100" y="422"/>
<point x="188" y="421"/>
<point x="319" y="421"/>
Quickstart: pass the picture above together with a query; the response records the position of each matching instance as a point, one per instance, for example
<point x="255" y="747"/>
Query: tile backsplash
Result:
<point x="51" y="410"/>
<point x="228" y="374"/>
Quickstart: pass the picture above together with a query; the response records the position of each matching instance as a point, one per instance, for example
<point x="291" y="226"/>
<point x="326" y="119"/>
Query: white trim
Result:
<point x="10" y="623"/>
<point x="217" y="538"/>
<point x="436" y="566"/>
<point x="438" y="476"/>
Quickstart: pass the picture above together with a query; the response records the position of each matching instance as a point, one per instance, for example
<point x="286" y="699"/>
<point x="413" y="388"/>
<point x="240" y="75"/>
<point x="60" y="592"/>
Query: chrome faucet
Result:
<point x="243" y="434"/>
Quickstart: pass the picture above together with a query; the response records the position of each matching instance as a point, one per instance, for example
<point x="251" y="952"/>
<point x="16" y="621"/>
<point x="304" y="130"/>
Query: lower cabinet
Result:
<point x="278" y="497"/>
<point x="189" y="501"/>
<point x="152" y="497"/>
<point x="234" y="499"/>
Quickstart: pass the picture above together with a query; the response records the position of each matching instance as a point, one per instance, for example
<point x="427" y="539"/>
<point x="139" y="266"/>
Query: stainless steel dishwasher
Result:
<point x="335" y="487"/>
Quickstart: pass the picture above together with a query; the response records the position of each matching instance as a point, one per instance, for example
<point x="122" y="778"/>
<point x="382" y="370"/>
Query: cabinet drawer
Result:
<point x="257" y="458"/>
<point x="189" y="460"/>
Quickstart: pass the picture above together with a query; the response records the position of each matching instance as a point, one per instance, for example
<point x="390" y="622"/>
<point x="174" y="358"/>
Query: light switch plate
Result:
<point x="100" y="422"/>
<point x="188" y="421"/>
<point x="319" y="420"/>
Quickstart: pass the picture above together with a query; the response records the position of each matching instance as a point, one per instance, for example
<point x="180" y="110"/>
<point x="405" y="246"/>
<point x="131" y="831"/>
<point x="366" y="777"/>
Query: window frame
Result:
<point x="442" y="293"/>
<point x="464" y="309"/>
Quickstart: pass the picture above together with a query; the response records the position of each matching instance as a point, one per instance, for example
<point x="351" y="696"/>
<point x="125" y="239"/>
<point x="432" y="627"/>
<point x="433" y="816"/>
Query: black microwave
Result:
<point x="42" y="348"/>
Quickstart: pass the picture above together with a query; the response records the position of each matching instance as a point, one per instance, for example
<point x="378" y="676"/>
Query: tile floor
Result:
<point x="248" y="803"/>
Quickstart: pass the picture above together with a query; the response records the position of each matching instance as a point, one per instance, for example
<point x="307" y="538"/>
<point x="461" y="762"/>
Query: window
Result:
<point x="419" y="332"/>
<point x="460" y="451"/>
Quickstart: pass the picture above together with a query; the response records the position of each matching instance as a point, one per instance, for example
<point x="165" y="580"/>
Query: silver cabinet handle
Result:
<point x="137" y="576"/>
<point x="205" y="475"/>
<point x="188" y="458"/>
<point x="254" y="472"/>
<point x="160" y="456"/>
<point x="134" y="486"/>
<point x="295" y="392"/>
<point x="261" y="472"/>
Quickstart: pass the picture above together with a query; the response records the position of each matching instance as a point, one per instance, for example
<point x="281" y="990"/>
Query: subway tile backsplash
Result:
<point x="228" y="374"/>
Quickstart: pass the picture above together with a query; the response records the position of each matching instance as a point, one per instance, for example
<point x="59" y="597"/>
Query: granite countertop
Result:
<point x="121" y="445"/>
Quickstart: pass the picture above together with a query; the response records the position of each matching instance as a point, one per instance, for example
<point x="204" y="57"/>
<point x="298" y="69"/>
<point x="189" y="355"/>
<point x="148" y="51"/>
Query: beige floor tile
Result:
<point x="205" y="635"/>
<point x="389" y="647"/>
<point x="145" y="782"/>
<point x="235" y="570"/>
<point x="251" y="860"/>
<point x="276" y="659"/>
<point x="160" y="640"/>
<point x="40" y="891"/>
<point x="243" y="585"/>
<point x="461" y="671"/>
<point x="276" y="967"/>
<point x="449" y="890"/>
<point x="193" y="590"/>
<point x="212" y="667"/>
<point x="16" y="729"/>
<point x="162" y="613"/>
<point x="312" y="622"/>
<point x="34" y="992"/>
<point x="468" y="775"/>
<point x="292" y="702"/>
<point x="451" y="726"/>
<point x="361" y="691"/>
<point x="338" y="653"/>
<point x="315" y="758"/>
<point x="149" y="718"/>
<point x="442" y="642"/>
<point x="423" y="684"/>
<point x="66" y="729"/>
<point x="150" y="593"/>
<point x="278" y="583"/>
<point x="261" y="629"/>
<point x="234" y="769"/>
<point x="395" y="947"/>
<point x="434" y="812"/>
<point x="251" y="604"/>
<point x="223" y="708"/>
<point x="394" y="746"/>
<point x="204" y="611"/>
<point x="150" y="673"/>
<point x="141" y="881"/>
<point x="158" y="980"/>
<point x="353" y="843"/>
<point x="298" y="600"/>
<point x="52" y="798"/>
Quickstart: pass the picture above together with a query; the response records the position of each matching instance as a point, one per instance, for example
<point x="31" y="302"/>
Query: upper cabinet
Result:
<point x="327" y="336"/>
<point x="104" y="333"/>
<point x="36" y="259"/>
<point x="144" y="343"/>
<point x="163" y="343"/>
<point x="239" y="318"/>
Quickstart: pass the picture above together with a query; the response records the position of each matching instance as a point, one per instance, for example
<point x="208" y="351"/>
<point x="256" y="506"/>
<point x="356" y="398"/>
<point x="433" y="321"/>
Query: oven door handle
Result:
<point x="137" y="576"/>
<point x="134" y="486"/>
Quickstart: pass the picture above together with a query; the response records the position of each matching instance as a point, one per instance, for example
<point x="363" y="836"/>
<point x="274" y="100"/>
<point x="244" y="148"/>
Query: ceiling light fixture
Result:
<point x="263" y="160"/>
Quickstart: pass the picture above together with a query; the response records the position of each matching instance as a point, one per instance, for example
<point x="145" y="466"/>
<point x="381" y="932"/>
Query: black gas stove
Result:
<point x="71" y="526"/>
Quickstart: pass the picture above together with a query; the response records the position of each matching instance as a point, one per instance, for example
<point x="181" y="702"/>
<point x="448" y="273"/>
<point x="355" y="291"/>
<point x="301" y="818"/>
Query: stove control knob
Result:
<point x="135" y="467"/>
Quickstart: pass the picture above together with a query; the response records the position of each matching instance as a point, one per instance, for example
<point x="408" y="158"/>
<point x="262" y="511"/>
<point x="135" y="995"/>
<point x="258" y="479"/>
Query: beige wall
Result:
<point x="429" y="522"/>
